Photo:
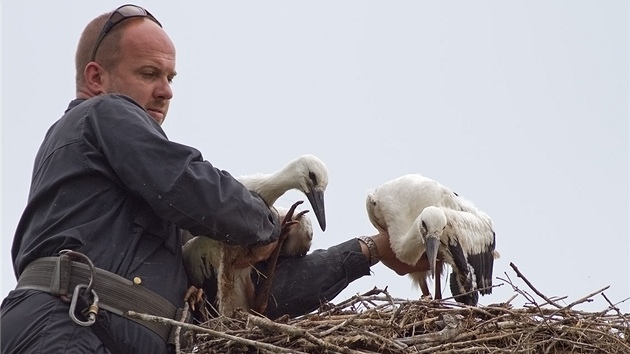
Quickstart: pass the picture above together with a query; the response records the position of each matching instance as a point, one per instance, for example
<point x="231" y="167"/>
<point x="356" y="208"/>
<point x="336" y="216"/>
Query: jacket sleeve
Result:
<point x="302" y="284"/>
<point x="174" y="179"/>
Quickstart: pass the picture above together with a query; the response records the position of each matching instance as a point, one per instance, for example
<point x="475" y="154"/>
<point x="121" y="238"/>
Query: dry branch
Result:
<point x="520" y="275"/>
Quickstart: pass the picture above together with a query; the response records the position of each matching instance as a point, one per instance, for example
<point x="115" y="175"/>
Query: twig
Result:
<point x="352" y="300"/>
<point x="398" y="344"/>
<point x="518" y="290"/>
<point x="507" y="302"/>
<point x="520" y="275"/>
<point x="179" y="328"/>
<point x="612" y="307"/>
<point x="334" y="328"/>
<point x="555" y="299"/>
<point x="586" y="298"/>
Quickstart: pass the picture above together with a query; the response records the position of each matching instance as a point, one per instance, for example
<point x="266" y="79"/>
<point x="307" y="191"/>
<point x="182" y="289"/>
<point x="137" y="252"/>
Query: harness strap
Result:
<point x="118" y="295"/>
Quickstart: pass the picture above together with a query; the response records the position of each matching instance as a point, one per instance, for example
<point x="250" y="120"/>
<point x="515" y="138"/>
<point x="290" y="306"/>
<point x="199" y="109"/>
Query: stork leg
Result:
<point x="425" y="288"/>
<point x="235" y="287"/>
<point x="420" y="279"/>
<point x="261" y="299"/>
<point x="438" y="283"/>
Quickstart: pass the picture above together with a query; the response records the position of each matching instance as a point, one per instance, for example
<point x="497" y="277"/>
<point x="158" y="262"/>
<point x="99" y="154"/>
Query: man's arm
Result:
<point x="302" y="284"/>
<point x="174" y="179"/>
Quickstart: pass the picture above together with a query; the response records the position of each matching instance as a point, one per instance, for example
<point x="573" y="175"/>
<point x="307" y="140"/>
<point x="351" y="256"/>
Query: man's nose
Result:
<point x="164" y="90"/>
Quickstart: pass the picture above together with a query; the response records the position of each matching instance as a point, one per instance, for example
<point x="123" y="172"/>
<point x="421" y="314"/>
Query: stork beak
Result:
<point x="431" y="248"/>
<point x="316" y="198"/>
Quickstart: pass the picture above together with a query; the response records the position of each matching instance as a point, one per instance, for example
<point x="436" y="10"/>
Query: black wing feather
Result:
<point x="483" y="263"/>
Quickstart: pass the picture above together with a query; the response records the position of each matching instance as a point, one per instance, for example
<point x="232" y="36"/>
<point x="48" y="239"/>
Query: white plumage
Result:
<point x="421" y="216"/>
<point x="202" y="255"/>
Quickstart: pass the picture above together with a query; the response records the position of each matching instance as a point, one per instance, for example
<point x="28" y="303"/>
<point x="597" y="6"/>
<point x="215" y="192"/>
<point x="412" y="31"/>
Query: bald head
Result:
<point x="108" y="53"/>
<point x="136" y="58"/>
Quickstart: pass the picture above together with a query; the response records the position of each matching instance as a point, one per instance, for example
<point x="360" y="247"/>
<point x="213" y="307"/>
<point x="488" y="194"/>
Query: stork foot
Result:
<point x="194" y="297"/>
<point x="427" y="298"/>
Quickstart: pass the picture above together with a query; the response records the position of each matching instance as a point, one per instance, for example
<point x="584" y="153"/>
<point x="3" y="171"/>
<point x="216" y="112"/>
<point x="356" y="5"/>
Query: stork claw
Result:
<point x="289" y="215"/>
<point x="300" y="214"/>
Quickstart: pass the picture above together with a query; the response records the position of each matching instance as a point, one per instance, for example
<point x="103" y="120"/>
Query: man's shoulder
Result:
<point x="107" y="110"/>
<point x="102" y="103"/>
<point x="106" y="106"/>
<point x="112" y="100"/>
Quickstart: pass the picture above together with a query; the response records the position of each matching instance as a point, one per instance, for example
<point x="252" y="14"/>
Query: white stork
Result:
<point x="202" y="255"/>
<point x="422" y="215"/>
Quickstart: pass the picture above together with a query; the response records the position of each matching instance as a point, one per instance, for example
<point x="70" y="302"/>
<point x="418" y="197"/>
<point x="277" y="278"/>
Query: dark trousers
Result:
<point x="36" y="322"/>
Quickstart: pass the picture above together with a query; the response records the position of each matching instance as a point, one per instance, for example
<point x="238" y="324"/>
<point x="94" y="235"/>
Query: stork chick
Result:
<point x="409" y="254"/>
<point x="466" y="241"/>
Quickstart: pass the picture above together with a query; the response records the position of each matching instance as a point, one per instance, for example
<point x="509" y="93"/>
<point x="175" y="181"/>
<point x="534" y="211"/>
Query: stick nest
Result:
<point x="375" y="322"/>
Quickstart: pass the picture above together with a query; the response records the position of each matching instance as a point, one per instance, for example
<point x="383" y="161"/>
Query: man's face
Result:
<point x="146" y="68"/>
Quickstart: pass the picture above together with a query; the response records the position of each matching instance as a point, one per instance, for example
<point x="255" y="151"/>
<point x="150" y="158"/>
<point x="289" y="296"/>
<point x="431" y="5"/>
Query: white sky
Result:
<point x="521" y="107"/>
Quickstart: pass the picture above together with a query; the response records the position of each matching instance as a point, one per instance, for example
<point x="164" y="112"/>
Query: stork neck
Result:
<point x="270" y="187"/>
<point x="413" y="237"/>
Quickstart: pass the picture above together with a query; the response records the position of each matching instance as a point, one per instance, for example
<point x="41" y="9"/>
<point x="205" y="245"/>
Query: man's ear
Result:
<point x="95" y="78"/>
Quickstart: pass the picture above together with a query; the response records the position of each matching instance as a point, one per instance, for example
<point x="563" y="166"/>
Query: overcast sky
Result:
<point x="521" y="107"/>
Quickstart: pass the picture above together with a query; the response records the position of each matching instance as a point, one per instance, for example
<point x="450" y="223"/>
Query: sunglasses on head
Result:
<point x="120" y="14"/>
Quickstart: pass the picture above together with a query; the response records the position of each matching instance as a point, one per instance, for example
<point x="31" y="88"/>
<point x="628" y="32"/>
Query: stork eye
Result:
<point x="312" y="177"/>
<point x="424" y="226"/>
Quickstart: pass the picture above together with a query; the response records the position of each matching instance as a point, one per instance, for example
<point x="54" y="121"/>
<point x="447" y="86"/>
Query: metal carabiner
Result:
<point x="92" y="309"/>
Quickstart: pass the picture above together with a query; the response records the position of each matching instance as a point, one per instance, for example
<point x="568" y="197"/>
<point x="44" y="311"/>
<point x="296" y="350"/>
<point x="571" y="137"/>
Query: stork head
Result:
<point x="433" y="223"/>
<point x="313" y="180"/>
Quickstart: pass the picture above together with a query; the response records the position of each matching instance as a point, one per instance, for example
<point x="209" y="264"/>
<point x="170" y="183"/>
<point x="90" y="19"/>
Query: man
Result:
<point x="109" y="185"/>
